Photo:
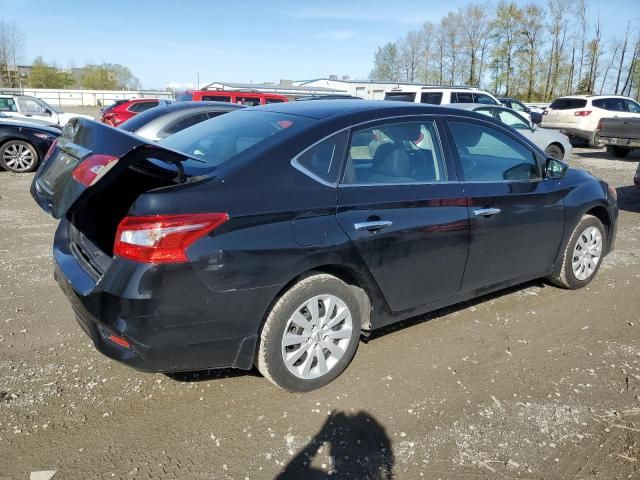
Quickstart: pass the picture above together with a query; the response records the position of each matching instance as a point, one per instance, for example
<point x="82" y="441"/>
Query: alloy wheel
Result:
<point x="18" y="157"/>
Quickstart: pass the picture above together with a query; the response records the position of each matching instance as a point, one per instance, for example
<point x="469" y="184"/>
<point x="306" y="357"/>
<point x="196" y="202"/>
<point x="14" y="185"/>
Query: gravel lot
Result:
<point x="535" y="382"/>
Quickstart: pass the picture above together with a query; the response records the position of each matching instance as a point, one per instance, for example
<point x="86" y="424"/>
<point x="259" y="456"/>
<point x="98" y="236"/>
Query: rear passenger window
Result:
<point x="185" y="122"/>
<point x="216" y="98"/>
<point x="323" y="160"/>
<point x="432" y="98"/>
<point x="273" y="100"/>
<point x="407" y="152"/>
<point x="611" y="104"/>
<point x="462" y="97"/>
<point x="482" y="98"/>
<point x="488" y="155"/>
<point x="248" y="101"/>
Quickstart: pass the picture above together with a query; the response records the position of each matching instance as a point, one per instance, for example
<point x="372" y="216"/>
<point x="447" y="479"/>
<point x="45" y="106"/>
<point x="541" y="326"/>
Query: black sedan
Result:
<point x="160" y="122"/>
<point x="24" y="143"/>
<point x="278" y="235"/>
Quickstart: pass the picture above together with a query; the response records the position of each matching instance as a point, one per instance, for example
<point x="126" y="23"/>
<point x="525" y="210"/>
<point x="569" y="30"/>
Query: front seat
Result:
<point x="391" y="164"/>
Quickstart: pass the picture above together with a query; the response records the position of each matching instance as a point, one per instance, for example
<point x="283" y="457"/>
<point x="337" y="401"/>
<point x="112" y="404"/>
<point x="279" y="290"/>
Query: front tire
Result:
<point x="554" y="151"/>
<point x="583" y="254"/>
<point x="310" y="335"/>
<point x="18" y="156"/>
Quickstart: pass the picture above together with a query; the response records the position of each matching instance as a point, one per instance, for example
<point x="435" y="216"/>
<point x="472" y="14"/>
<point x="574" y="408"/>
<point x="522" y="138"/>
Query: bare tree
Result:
<point x="506" y="33"/>
<point x="11" y="50"/>
<point x="410" y="48"/>
<point x="624" y="50"/>
<point x="428" y="33"/>
<point x="609" y="65"/>
<point x="531" y="31"/>
<point x="475" y="30"/>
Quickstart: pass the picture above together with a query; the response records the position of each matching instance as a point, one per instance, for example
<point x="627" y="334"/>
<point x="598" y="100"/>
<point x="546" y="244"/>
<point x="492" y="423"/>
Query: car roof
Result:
<point x="176" y="106"/>
<point x="320" y="109"/>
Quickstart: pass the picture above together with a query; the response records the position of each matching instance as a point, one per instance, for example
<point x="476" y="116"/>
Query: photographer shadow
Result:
<point x="357" y="446"/>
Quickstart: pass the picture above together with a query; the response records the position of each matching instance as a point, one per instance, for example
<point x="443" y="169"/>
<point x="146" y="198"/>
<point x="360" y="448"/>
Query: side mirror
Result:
<point x="555" y="168"/>
<point x="48" y="112"/>
<point x="533" y="126"/>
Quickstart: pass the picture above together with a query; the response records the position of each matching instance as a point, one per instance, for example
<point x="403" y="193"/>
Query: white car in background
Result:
<point x="578" y="115"/>
<point x="554" y="144"/>
<point x="28" y="107"/>
<point x="436" y="95"/>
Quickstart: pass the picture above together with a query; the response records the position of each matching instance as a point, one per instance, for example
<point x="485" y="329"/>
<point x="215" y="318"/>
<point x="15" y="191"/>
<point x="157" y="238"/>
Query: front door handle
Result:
<point x="372" y="226"/>
<point x="486" y="212"/>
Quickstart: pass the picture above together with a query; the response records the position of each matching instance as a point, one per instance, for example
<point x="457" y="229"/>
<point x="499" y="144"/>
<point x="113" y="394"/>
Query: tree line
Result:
<point x="42" y="74"/>
<point x="533" y="52"/>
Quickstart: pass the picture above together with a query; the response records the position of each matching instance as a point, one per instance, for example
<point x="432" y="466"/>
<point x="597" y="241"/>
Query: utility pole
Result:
<point x="198" y="82"/>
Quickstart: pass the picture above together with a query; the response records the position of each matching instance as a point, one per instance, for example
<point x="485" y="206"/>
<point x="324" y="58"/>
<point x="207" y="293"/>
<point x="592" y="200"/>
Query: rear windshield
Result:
<point x="568" y="103"/>
<point x="115" y="104"/>
<point x="223" y="138"/>
<point x="400" y="96"/>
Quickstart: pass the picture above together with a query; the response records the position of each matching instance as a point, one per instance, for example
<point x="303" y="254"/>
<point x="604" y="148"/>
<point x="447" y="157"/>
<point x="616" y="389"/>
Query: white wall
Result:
<point x="367" y="90"/>
<point x="77" y="98"/>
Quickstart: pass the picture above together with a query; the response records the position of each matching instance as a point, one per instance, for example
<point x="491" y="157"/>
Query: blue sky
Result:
<point x="243" y="41"/>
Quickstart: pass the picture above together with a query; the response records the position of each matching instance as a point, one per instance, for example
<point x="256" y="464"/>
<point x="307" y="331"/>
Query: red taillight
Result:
<point x="89" y="171"/>
<point x="582" y="113"/>
<point x="163" y="238"/>
<point x="50" y="150"/>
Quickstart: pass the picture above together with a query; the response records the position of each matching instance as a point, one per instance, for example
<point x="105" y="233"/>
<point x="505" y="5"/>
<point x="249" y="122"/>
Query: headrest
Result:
<point x="391" y="160"/>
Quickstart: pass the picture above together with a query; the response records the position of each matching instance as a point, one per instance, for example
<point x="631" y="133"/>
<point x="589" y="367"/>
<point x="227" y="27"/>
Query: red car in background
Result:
<point x="250" y="99"/>
<point x="123" y="110"/>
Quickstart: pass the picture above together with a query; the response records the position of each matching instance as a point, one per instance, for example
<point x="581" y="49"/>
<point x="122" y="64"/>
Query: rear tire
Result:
<point x="617" y="152"/>
<point x="594" y="142"/>
<point x="554" y="151"/>
<point x="315" y="325"/>
<point x="18" y="156"/>
<point x="583" y="254"/>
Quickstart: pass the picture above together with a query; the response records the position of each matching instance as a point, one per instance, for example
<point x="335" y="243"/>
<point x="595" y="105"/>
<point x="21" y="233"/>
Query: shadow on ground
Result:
<point x="357" y="445"/>
<point x="629" y="198"/>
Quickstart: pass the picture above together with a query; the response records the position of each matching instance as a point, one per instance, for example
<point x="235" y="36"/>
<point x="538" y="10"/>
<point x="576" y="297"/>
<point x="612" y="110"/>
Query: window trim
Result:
<point x="430" y="117"/>
<point x="304" y="170"/>
<point x="538" y="154"/>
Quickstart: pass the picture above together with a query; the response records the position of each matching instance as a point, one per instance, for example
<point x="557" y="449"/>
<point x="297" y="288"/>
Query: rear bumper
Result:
<point x="620" y="142"/>
<point x="170" y="319"/>
<point x="569" y="131"/>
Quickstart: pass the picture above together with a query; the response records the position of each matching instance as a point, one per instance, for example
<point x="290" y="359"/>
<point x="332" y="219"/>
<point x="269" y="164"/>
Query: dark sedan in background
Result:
<point x="276" y="235"/>
<point x="23" y="143"/>
<point x="160" y="122"/>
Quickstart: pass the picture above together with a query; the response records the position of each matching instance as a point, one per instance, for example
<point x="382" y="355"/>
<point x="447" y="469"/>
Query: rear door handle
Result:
<point x="372" y="226"/>
<point x="486" y="212"/>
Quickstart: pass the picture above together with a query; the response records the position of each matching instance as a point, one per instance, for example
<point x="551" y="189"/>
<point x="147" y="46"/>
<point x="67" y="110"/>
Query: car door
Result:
<point x="517" y="216"/>
<point x="30" y="107"/>
<point x="401" y="205"/>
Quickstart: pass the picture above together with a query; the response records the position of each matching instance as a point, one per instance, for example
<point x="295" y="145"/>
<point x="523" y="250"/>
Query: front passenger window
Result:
<point x="488" y="155"/>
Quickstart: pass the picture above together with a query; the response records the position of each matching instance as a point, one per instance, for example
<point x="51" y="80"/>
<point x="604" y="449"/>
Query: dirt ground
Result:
<point x="533" y="383"/>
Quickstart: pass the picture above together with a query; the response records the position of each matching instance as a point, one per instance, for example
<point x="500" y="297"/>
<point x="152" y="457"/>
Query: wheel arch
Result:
<point x="343" y="272"/>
